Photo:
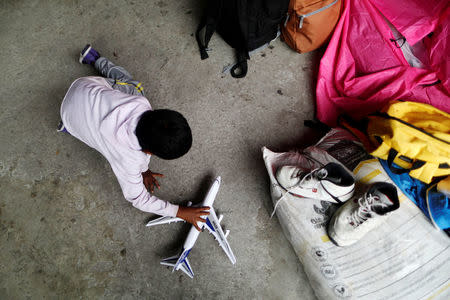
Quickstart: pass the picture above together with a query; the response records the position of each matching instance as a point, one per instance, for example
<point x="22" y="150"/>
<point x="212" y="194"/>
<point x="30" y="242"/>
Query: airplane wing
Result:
<point x="166" y="220"/>
<point x="213" y="226"/>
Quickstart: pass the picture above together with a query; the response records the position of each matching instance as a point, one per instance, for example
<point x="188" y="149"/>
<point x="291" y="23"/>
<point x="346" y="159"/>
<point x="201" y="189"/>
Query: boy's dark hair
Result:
<point x="165" y="133"/>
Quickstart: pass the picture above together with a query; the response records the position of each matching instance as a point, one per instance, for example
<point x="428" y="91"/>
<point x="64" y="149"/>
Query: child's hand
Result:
<point x="150" y="180"/>
<point x="193" y="214"/>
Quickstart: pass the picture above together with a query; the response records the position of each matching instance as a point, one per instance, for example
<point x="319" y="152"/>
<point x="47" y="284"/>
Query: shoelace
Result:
<point x="314" y="174"/>
<point x="364" y="211"/>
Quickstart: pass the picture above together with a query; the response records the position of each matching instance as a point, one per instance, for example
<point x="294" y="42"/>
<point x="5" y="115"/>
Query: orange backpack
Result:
<point x="309" y="23"/>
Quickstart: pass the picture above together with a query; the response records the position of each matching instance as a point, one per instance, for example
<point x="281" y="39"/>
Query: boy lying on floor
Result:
<point x="111" y="115"/>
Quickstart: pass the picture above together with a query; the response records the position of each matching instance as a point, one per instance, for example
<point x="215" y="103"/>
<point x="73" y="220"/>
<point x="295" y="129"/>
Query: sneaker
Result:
<point x="357" y="217"/>
<point x="88" y="55"/>
<point x="331" y="183"/>
<point x="61" y="127"/>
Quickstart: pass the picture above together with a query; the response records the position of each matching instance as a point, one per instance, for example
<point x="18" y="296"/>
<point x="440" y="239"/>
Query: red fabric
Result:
<point x="362" y="69"/>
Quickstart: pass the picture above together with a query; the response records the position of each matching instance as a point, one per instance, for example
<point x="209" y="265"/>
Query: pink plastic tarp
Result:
<point x="363" y="67"/>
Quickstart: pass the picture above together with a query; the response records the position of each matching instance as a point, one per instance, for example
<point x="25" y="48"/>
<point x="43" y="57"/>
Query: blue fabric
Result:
<point x="438" y="205"/>
<point x="418" y="192"/>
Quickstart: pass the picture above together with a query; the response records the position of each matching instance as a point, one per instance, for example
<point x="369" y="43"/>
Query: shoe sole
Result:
<point x="333" y="237"/>
<point x="82" y="56"/>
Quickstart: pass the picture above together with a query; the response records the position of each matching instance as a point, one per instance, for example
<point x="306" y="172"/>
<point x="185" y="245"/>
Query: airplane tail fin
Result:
<point x="179" y="262"/>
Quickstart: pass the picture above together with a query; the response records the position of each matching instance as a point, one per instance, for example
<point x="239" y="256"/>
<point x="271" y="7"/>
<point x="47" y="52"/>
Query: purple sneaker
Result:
<point x="88" y="55"/>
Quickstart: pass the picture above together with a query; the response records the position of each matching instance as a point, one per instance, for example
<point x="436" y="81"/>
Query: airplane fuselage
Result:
<point x="212" y="224"/>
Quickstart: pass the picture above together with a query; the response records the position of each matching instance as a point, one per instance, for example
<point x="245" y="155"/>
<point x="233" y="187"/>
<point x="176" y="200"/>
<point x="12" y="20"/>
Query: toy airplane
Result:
<point x="212" y="224"/>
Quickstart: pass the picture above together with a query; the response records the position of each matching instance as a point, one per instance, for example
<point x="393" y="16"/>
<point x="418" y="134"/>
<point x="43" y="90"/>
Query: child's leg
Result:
<point x="118" y="77"/>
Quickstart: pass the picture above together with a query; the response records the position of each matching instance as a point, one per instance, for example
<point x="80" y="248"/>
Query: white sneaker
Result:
<point x="330" y="183"/>
<point x="357" y="217"/>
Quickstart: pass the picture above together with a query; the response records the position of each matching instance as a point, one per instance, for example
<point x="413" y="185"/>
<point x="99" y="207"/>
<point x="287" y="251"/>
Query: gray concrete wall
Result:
<point x="65" y="229"/>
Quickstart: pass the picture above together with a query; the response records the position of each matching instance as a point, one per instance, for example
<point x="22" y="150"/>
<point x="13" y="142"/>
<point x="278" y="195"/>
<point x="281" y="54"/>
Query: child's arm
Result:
<point x="135" y="191"/>
<point x="189" y="214"/>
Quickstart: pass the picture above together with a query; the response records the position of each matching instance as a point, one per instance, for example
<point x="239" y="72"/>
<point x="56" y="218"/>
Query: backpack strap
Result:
<point x="316" y="124"/>
<point x="358" y="129"/>
<point x="390" y="160"/>
<point x="241" y="65"/>
<point x="208" y="23"/>
<point x="202" y="44"/>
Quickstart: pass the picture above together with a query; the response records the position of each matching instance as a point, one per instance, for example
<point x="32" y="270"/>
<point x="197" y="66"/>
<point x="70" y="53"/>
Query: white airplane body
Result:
<point x="212" y="224"/>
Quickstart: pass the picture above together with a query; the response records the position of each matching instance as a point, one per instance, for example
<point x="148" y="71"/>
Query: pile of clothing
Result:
<point x="382" y="51"/>
<point x="379" y="181"/>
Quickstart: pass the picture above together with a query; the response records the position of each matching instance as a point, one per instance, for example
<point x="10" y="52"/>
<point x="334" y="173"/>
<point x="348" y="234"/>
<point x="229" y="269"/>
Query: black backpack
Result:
<point x="244" y="24"/>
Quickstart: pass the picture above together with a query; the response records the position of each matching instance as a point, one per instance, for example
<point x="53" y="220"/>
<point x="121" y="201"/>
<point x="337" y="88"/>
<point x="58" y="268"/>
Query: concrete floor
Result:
<point x="65" y="229"/>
